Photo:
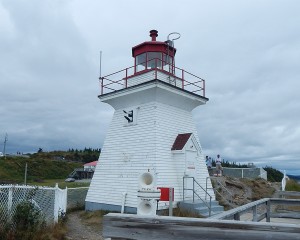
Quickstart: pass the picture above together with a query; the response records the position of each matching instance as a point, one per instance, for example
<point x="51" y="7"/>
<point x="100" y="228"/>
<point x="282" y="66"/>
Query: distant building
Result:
<point x="86" y="172"/>
<point x="91" y="166"/>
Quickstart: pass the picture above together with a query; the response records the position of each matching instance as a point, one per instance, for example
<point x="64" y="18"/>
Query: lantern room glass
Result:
<point x="150" y="60"/>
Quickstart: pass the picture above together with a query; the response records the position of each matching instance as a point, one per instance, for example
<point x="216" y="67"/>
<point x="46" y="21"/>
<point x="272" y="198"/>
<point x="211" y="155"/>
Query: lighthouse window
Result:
<point x="148" y="60"/>
<point x="130" y="117"/>
<point x="141" y="62"/>
<point x="154" y="60"/>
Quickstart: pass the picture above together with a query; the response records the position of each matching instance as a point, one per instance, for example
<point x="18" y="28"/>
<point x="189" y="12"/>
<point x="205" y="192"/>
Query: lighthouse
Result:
<point x="152" y="130"/>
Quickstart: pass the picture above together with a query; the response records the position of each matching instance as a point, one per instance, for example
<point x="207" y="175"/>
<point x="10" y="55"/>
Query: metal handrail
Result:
<point x="106" y="80"/>
<point x="195" y="193"/>
<point x="223" y="187"/>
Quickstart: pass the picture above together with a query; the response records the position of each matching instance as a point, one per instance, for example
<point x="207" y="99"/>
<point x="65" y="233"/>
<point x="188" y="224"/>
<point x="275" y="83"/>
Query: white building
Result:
<point x="152" y="129"/>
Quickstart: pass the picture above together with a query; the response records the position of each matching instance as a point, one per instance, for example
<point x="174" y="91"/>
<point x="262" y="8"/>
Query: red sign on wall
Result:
<point x="164" y="193"/>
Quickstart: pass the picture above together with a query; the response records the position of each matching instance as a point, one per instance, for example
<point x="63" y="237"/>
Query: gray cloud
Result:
<point x="248" y="52"/>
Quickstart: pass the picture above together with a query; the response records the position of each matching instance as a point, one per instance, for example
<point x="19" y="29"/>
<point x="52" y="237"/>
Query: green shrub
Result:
<point x="28" y="216"/>
<point x="292" y="185"/>
<point x="274" y="175"/>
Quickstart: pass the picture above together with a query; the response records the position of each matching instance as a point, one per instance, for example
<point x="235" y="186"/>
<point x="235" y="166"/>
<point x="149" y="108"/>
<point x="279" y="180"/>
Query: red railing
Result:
<point x="119" y="80"/>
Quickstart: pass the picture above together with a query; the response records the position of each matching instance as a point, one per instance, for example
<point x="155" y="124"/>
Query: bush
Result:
<point x="28" y="224"/>
<point x="28" y="217"/>
<point x="292" y="185"/>
<point x="274" y="175"/>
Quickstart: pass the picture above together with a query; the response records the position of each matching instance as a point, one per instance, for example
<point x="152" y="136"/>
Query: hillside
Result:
<point x="12" y="169"/>
<point x="294" y="177"/>
<point x="85" y="155"/>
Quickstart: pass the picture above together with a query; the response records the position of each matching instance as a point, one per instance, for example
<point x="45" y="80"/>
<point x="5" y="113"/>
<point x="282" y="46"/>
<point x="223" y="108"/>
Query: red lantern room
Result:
<point x="154" y="54"/>
<point x="153" y="60"/>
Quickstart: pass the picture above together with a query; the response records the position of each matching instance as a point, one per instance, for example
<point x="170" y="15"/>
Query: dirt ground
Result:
<point x="79" y="227"/>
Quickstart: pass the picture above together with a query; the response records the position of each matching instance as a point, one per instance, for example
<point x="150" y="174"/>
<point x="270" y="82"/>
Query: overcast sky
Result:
<point x="247" y="51"/>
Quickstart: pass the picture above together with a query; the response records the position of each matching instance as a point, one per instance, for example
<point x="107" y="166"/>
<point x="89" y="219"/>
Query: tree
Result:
<point x="40" y="150"/>
<point x="274" y="175"/>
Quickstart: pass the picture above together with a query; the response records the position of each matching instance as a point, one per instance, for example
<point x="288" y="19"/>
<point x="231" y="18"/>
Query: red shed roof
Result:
<point x="180" y="141"/>
<point x="94" y="163"/>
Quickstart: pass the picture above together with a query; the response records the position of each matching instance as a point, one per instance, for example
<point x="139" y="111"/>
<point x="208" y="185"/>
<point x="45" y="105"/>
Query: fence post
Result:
<point x="254" y="209"/>
<point x="126" y="79"/>
<point x="183" y="189"/>
<point x="182" y="76"/>
<point x="56" y="203"/>
<point x="209" y="205"/>
<point x="193" y="189"/>
<point x="203" y="88"/>
<point x="206" y="188"/>
<point x="65" y="200"/>
<point x="268" y="214"/>
<point x="236" y="216"/>
<point x="10" y="193"/>
<point x="283" y="181"/>
<point x="101" y="85"/>
<point x="9" y="203"/>
<point x="171" y="201"/>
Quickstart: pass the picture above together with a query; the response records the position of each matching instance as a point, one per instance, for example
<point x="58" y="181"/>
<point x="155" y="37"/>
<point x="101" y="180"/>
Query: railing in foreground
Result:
<point x="183" y="79"/>
<point x="261" y="209"/>
<point x="128" y="226"/>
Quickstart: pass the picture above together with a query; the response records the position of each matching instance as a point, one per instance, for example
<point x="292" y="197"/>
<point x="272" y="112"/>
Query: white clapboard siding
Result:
<point x="129" y="151"/>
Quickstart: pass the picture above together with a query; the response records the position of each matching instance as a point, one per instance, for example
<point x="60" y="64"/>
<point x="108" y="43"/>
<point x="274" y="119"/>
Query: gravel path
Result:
<point x="78" y="229"/>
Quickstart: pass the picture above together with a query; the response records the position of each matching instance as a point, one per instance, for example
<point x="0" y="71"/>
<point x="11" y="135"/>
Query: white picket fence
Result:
<point x="51" y="201"/>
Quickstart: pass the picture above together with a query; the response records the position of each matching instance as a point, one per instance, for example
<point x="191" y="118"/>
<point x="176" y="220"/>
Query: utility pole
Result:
<point x="25" y="175"/>
<point x="5" y="140"/>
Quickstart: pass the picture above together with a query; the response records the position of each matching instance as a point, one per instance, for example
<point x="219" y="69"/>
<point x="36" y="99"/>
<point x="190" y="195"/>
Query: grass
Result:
<point x="177" y="212"/>
<point x="55" y="232"/>
<point x="39" y="172"/>
<point x="292" y="185"/>
<point x="12" y="169"/>
<point x="93" y="218"/>
<point x="61" y="183"/>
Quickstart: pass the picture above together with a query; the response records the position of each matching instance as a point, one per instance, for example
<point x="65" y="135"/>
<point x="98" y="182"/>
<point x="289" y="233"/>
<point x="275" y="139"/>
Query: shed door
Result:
<point x="190" y="158"/>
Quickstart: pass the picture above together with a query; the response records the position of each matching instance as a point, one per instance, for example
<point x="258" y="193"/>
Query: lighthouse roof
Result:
<point x="153" y="46"/>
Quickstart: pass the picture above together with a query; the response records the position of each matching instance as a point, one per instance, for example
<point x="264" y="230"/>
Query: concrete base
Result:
<point x="92" y="206"/>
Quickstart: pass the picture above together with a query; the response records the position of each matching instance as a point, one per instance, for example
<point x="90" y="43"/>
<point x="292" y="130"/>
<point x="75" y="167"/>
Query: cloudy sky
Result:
<point x="248" y="52"/>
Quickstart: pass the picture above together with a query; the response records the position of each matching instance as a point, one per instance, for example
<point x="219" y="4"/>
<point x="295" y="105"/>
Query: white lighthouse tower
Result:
<point x="152" y="130"/>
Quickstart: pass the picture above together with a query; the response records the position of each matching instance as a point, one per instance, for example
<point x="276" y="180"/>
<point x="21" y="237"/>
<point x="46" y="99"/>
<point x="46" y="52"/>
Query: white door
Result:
<point x="190" y="171"/>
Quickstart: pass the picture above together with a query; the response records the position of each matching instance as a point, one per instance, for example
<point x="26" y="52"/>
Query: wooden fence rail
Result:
<point x="128" y="226"/>
<point x="125" y="226"/>
<point x="287" y="193"/>
<point x="265" y="213"/>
